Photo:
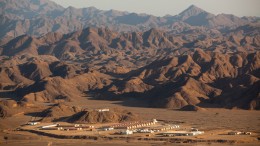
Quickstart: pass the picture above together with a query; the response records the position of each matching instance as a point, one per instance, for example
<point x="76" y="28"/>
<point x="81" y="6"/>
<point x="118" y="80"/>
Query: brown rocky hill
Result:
<point x="100" y="46"/>
<point x="195" y="59"/>
<point x="111" y="116"/>
<point x="9" y="108"/>
<point x="21" y="71"/>
<point x="178" y="94"/>
<point x="12" y="77"/>
<point x="193" y="68"/>
<point x="201" y="79"/>
<point x="63" y="112"/>
<point x="192" y="108"/>
<point x="66" y="70"/>
<point x="35" y="70"/>
<point x="58" y="112"/>
<point x="57" y="89"/>
<point x="242" y="92"/>
<point x="22" y="45"/>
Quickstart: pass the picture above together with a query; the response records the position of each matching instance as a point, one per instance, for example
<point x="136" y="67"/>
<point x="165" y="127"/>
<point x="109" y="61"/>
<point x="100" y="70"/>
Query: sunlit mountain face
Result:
<point x="95" y="77"/>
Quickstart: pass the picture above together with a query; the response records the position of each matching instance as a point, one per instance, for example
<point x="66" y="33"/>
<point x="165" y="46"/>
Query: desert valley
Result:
<point x="71" y="76"/>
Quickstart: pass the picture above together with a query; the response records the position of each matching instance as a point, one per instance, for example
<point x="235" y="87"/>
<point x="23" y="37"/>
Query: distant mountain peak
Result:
<point x="191" y="11"/>
<point x="194" y="8"/>
<point x="39" y="17"/>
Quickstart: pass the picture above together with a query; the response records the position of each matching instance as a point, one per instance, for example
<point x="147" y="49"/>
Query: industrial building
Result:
<point x="126" y="132"/>
<point x="103" y="110"/>
<point x="33" y="123"/>
<point x="65" y="127"/>
<point x="239" y="133"/>
<point x="134" y="125"/>
<point x="192" y="132"/>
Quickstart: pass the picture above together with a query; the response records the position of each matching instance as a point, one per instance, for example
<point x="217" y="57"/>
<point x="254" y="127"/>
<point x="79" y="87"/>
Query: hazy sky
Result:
<point x="172" y="7"/>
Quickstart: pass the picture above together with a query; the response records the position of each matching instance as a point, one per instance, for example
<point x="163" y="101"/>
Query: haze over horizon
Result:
<point x="171" y="7"/>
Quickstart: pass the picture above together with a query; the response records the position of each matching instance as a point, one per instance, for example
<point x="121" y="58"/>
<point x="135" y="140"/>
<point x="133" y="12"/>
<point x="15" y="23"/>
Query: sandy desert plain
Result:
<point x="215" y="122"/>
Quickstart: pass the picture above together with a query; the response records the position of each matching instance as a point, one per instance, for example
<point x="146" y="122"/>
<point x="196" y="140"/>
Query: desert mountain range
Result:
<point x="192" y="60"/>
<point x="39" y="17"/>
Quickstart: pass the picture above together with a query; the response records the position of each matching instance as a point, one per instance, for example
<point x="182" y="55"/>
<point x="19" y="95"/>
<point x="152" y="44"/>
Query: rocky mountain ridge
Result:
<point x="39" y="17"/>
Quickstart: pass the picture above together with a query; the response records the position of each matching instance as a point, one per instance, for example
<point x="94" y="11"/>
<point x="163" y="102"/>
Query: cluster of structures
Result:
<point x="192" y="132"/>
<point x="133" y="125"/>
<point x="239" y="133"/>
<point x="66" y="127"/>
<point x="140" y="127"/>
<point x="128" y="128"/>
<point x="152" y="127"/>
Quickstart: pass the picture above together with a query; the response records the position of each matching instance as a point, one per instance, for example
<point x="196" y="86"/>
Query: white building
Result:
<point x="127" y="132"/>
<point x="234" y="133"/>
<point x="49" y="126"/>
<point x="183" y="133"/>
<point x="108" y="128"/>
<point x="155" y="121"/>
<point x="103" y="110"/>
<point x="33" y="123"/>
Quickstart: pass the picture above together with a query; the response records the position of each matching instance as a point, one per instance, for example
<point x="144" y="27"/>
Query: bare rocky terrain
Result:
<point x="39" y="17"/>
<point x="58" y="62"/>
<point x="200" y="66"/>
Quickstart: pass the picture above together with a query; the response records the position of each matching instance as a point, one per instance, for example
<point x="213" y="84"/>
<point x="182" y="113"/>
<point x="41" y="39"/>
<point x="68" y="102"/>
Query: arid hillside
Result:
<point x="84" y="76"/>
<point x="162" y="68"/>
<point x="203" y="79"/>
<point x="39" y="17"/>
<point x="199" y="78"/>
<point x="98" y="46"/>
<point x="191" y="61"/>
